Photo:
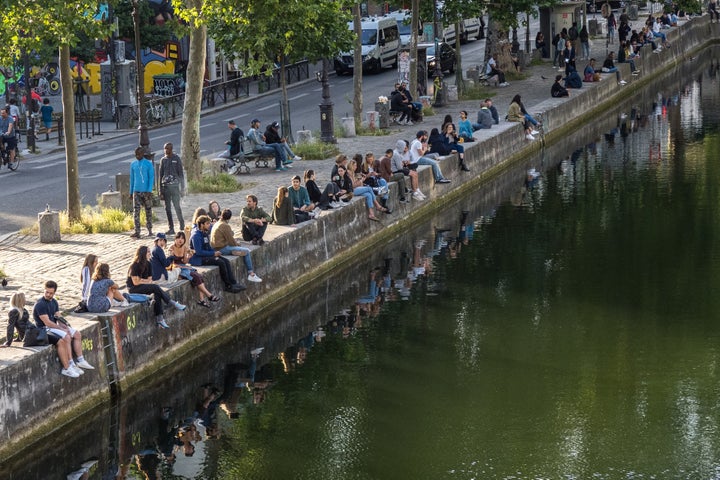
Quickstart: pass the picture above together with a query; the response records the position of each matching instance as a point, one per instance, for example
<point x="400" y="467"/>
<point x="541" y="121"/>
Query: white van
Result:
<point x="469" y="29"/>
<point x="404" y="19"/>
<point x="380" y="46"/>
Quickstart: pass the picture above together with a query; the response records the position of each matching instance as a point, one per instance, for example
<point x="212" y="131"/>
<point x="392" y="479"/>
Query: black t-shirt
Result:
<point x="138" y="270"/>
<point x="44" y="307"/>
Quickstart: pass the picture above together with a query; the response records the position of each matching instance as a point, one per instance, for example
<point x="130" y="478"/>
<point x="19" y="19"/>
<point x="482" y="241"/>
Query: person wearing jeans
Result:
<point x="172" y="186"/>
<point x="259" y="145"/>
<point x="222" y="238"/>
<point x="418" y="149"/>
<point x="206" y="255"/>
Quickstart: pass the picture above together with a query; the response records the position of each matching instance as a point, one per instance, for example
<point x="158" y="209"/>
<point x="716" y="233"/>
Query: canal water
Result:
<point x="559" y="323"/>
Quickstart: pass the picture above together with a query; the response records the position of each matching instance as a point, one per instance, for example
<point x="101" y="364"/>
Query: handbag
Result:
<point x="137" y="297"/>
<point x="35" y="337"/>
<point x="81" y="307"/>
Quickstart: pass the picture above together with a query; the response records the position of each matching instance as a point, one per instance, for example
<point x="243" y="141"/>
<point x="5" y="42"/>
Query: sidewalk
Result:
<point x="28" y="263"/>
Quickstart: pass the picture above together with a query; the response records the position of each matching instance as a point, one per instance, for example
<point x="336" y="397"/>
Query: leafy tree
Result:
<point x="28" y="25"/>
<point x="152" y="35"/>
<point x="261" y="34"/>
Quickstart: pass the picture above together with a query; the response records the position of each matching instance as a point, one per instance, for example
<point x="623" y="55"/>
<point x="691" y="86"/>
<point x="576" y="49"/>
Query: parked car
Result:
<point x="447" y="58"/>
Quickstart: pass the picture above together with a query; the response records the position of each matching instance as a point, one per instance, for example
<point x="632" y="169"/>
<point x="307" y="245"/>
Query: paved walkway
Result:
<point x="28" y="263"/>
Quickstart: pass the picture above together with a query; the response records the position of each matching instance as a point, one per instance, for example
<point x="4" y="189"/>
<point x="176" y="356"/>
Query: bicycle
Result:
<point x="5" y="158"/>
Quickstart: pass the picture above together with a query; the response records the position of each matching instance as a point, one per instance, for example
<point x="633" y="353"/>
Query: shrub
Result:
<point x="219" y="183"/>
<point x="316" y="150"/>
<point x="94" y="220"/>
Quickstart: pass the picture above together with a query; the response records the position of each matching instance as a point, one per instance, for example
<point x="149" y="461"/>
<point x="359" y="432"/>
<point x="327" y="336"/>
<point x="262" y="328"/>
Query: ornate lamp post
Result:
<point x="327" y="133"/>
<point x="437" y="74"/>
<point x="140" y="69"/>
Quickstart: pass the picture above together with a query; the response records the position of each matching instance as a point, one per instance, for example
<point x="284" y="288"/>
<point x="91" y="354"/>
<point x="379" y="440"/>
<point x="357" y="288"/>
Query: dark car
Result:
<point x="447" y="58"/>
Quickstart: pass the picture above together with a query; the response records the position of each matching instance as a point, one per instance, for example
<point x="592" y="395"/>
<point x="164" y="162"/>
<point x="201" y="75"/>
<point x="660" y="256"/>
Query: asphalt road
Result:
<point x="40" y="180"/>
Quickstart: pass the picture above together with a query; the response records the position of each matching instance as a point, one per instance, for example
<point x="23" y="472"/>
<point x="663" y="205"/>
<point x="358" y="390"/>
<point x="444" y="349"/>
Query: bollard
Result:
<point x="383" y="109"/>
<point x="304" y="136"/>
<point x="111" y="199"/>
<point x="348" y="124"/>
<point x="49" y="226"/>
<point x="372" y="119"/>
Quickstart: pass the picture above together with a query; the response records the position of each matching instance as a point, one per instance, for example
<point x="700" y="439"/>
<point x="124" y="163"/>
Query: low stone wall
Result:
<point x="126" y="346"/>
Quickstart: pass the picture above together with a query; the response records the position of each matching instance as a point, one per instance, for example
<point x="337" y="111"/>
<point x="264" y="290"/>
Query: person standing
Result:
<point x="172" y="186"/>
<point x="142" y="179"/>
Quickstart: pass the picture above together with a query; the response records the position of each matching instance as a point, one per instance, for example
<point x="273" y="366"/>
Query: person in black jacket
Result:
<point x="399" y="103"/>
<point x="18" y="317"/>
<point x="272" y="135"/>
<point x="234" y="142"/>
<point x="557" y="90"/>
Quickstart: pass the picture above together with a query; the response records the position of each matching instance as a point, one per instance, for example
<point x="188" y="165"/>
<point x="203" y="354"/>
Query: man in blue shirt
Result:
<point x="206" y="255"/>
<point x="142" y="179"/>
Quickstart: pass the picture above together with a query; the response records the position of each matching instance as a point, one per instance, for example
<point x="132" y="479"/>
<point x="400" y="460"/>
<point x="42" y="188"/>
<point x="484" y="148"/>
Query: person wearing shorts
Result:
<point x="63" y="336"/>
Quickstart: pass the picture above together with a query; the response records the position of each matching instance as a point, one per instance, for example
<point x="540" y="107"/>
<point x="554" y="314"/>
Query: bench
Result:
<point x="261" y="159"/>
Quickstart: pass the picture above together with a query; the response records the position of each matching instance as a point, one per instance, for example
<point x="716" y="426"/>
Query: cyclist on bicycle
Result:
<point x="7" y="131"/>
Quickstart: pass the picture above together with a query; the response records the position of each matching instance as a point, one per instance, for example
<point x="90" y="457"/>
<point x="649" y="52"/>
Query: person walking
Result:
<point x="142" y="179"/>
<point x="172" y="186"/>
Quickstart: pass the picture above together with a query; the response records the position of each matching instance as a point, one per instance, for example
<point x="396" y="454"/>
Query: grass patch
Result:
<point x="94" y="220"/>
<point x="316" y="150"/>
<point x="428" y="111"/>
<point x="515" y="76"/>
<point x="375" y="132"/>
<point x="220" y="183"/>
<point x="2" y="273"/>
<point x="477" y="92"/>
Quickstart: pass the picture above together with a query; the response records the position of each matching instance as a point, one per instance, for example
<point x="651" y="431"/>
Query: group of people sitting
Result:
<point x="270" y="143"/>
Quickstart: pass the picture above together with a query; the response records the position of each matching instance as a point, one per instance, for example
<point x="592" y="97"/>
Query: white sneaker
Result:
<point x="76" y="369"/>
<point x="257" y="351"/>
<point x="254" y="278"/>
<point x="233" y="170"/>
<point x="623" y="82"/>
<point x="69" y="373"/>
<point x="296" y="158"/>
<point x="178" y="305"/>
<point x="418" y="196"/>
<point x="409" y="123"/>
<point x="84" y="364"/>
<point x="529" y="137"/>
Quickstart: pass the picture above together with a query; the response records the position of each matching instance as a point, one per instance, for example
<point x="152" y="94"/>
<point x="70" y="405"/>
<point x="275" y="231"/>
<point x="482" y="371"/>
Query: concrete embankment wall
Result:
<point x="127" y="347"/>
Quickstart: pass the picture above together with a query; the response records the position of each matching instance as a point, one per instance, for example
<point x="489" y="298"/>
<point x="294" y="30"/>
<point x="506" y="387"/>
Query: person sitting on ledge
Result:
<point x="419" y="155"/>
<point x="573" y="79"/>
<point x="282" y="212"/>
<point x="18" y="317"/>
<point x="515" y="115"/>
<point x="384" y="168"/>
<point x="589" y="74"/>
<point x="222" y="238"/>
<point x="557" y="90"/>
<point x="46" y="314"/>
<point x="400" y="163"/>
<point x="303" y="208"/>
<point x="159" y="261"/>
<point x="139" y="280"/>
<point x="326" y="199"/>
<point x="360" y="189"/>
<point x="373" y="179"/>
<point x="205" y="255"/>
<point x="180" y="254"/>
<point x="255" y="221"/>
<point x="104" y="292"/>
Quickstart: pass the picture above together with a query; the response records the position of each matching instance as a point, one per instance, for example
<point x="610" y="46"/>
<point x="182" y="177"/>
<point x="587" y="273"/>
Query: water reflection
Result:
<point x="554" y="324"/>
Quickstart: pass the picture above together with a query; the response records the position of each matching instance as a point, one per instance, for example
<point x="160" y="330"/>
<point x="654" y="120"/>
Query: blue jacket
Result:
<point x="142" y="176"/>
<point x="159" y="263"/>
<point x="200" y="242"/>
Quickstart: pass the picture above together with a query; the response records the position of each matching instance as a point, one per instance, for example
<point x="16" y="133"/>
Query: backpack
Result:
<point x="555" y="40"/>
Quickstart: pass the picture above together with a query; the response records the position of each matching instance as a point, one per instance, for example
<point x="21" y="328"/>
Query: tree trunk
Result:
<point x="357" y="67"/>
<point x="190" y="136"/>
<point x="285" y="110"/>
<point x="71" y="156"/>
<point x="497" y="35"/>
<point x="459" y="82"/>
<point x="414" y="25"/>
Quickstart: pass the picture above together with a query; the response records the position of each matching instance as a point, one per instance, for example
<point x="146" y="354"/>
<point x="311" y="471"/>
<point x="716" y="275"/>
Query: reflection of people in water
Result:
<point x="148" y="461"/>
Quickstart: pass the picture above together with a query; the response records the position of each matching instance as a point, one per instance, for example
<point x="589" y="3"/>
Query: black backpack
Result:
<point x="555" y="40"/>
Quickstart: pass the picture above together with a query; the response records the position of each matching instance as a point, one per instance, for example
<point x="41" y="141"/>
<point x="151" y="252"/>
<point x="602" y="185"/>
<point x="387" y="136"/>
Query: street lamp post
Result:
<point x="327" y="133"/>
<point x="437" y="74"/>
<point x="142" y="128"/>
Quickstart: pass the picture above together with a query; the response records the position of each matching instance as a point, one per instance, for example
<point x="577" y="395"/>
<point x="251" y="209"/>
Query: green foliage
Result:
<point x="267" y="31"/>
<point x="428" y="111"/>
<point x="31" y="25"/>
<point x="220" y="183"/>
<point x="316" y="150"/>
<point x="151" y="35"/>
<point x="2" y="273"/>
<point x="477" y="92"/>
<point x="372" y="132"/>
<point x="94" y="220"/>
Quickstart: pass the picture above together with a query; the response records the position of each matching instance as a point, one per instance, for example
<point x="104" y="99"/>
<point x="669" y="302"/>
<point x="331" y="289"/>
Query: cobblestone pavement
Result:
<point x="28" y="263"/>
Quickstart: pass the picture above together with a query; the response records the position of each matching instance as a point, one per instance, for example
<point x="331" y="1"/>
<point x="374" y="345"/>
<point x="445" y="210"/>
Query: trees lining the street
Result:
<point x="29" y="25"/>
